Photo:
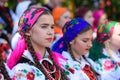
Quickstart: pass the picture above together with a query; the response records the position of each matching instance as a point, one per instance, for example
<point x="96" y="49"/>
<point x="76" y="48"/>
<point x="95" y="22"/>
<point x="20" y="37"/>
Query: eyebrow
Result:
<point x="46" y="24"/>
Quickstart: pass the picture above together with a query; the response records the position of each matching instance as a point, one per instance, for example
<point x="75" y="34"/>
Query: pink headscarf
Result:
<point x="26" y="22"/>
<point x="97" y="14"/>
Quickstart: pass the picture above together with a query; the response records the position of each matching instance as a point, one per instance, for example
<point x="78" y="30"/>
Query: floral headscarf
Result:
<point x="104" y="32"/>
<point x="28" y="19"/>
<point x="26" y="22"/>
<point x="70" y="30"/>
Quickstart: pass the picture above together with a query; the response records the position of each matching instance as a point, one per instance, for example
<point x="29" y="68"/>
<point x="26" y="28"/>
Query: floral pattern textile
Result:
<point x="107" y="69"/>
<point x="24" y="71"/>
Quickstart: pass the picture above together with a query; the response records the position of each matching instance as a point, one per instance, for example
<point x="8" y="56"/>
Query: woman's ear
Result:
<point x="72" y="42"/>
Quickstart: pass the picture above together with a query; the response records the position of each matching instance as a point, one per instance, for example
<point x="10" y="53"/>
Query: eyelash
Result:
<point x="52" y="27"/>
<point x="85" y="41"/>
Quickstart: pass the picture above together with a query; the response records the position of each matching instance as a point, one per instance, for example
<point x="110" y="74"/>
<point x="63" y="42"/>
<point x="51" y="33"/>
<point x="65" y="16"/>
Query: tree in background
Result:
<point x="112" y="7"/>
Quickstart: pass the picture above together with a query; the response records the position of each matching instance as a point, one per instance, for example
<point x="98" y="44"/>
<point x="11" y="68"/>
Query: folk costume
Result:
<point x="107" y="65"/>
<point x="23" y="65"/>
<point x="71" y="30"/>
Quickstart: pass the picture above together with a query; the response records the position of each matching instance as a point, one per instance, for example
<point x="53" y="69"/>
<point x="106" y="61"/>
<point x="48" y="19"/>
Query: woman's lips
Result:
<point x="49" y="39"/>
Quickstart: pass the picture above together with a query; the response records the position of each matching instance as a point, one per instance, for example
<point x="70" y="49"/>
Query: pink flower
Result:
<point x="108" y="65"/>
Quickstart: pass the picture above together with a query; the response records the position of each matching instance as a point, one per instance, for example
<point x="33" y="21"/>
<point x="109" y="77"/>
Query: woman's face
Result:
<point x="115" y="38"/>
<point x="82" y="43"/>
<point x="63" y="19"/>
<point x="42" y="33"/>
<point x="89" y="17"/>
<point x="103" y="19"/>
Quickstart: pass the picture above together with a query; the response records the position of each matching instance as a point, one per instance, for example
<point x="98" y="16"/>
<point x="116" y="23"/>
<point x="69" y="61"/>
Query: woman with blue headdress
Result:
<point x="105" y="50"/>
<point x="75" y="43"/>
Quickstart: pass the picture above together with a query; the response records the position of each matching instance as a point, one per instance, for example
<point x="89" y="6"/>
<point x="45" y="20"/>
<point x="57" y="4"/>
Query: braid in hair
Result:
<point x="64" y="77"/>
<point x="70" y="51"/>
<point x="3" y="69"/>
<point x="37" y="63"/>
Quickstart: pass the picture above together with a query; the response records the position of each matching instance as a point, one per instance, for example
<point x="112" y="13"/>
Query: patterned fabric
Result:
<point x="115" y="56"/>
<point x="70" y="30"/>
<point x="28" y="19"/>
<point x="105" y="31"/>
<point x="107" y="69"/>
<point x="84" y="65"/>
<point x="24" y="71"/>
<point x="89" y="72"/>
<point x="4" y="49"/>
<point x="26" y="22"/>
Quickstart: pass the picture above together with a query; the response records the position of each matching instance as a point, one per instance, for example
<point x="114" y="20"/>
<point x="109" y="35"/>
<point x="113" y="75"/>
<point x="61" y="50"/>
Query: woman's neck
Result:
<point x="40" y="49"/>
<point x="114" y="49"/>
<point x="76" y="55"/>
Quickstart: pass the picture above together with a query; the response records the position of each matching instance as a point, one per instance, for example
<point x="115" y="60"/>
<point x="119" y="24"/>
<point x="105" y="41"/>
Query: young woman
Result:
<point x="61" y="15"/>
<point x="75" y="43"/>
<point x="105" y="50"/>
<point x="32" y="58"/>
<point x="86" y="14"/>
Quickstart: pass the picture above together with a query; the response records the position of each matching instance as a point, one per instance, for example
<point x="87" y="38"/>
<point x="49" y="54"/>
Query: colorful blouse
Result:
<point x="107" y="69"/>
<point x="84" y="66"/>
<point x="25" y="71"/>
<point x="115" y="56"/>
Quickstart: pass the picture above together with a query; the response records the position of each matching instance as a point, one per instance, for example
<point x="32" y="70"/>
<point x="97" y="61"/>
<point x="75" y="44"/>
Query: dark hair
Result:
<point x="71" y="53"/>
<point x="37" y="63"/>
<point x="81" y="11"/>
<point x="3" y="69"/>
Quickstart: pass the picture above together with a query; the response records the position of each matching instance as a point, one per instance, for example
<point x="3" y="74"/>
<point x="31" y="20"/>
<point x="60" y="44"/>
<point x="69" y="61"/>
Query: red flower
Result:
<point x="108" y="65"/>
<point x="30" y="76"/>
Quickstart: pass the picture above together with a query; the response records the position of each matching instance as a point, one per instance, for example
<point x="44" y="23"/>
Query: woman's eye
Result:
<point x="43" y="26"/>
<point x="85" y="41"/>
<point x="52" y="27"/>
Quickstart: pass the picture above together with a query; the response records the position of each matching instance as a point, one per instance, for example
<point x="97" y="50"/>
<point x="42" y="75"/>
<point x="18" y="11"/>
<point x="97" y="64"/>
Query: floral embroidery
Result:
<point x="30" y="76"/>
<point x="108" y="65"/>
